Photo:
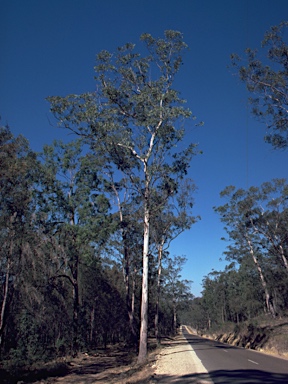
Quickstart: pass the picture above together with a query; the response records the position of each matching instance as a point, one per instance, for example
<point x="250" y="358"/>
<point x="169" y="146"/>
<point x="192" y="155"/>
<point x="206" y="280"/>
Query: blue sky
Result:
<point x="48" y="48"/>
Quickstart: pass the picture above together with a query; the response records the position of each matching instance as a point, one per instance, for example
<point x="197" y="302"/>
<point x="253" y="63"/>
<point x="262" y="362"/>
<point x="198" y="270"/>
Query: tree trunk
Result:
<point x="4" y="302"/>
<point x="269" y="306"/>
<point x="209" y="322"/>
<point x="133" y="293"/>
<point x="144" y="300"/>
<point x="275" y="301"/>
<point x="75" y="345"/>
<point x="274" y="240"/>
<point x="174" y="318"/>
<point x="126" y="268"/>
<point x="283" y="256"/>
<point x="92" y="318"/>
<point x="133" y="305"/>
<point x="129" y="302"/>
<point x="159" y="271"/>
<point x="6" y="282"/>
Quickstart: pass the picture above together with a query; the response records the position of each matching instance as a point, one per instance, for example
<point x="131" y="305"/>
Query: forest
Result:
<point x="86" y="225"/>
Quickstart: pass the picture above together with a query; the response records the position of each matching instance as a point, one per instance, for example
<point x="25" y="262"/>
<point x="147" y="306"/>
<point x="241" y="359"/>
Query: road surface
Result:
<point x="227" y="364"/>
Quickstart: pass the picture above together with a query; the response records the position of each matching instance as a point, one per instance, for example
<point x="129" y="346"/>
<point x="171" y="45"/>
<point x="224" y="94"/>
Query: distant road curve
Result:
<point x="227" y="364"/>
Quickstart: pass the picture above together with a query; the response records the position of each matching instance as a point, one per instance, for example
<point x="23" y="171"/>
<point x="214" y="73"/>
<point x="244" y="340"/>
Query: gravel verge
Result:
<point x="178" y="363"/>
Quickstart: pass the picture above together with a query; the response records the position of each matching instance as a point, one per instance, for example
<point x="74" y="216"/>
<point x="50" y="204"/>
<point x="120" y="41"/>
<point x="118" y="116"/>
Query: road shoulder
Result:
<point x="176" y="360"/>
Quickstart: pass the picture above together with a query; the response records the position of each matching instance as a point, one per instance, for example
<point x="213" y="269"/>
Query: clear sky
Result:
<point x="48" y="48"/>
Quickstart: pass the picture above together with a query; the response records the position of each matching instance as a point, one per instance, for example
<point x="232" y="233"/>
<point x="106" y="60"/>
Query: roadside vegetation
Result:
<point x="246" y="304"/>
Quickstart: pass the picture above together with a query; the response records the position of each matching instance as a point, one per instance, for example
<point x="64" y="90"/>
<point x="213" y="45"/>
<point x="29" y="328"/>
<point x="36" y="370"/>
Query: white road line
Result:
<point x="254" y="362"/>
<point x="225" y="350"/>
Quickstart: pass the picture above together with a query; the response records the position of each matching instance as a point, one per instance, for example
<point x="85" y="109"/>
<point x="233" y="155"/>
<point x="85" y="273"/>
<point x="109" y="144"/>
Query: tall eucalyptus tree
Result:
<point x="135" y="120"/>
<point x="256" y="222"/>
<point x="238" y="214"/>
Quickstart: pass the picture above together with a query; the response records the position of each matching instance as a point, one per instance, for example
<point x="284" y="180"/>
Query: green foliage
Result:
<point x="176" y="291"/>
<point x="267" y="80"/>
<point x="132" y="106"/>
<point x="256" y="222"/>
<point x="18" y="175"/>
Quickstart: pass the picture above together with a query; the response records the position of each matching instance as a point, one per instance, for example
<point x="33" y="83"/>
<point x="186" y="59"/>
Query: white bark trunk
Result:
<point x="4" y="302"/>
<point x="159" y="272"/>
<point x="144" y="302"/>
<point x="283" y="256"/>
<point x="262" y="278"/>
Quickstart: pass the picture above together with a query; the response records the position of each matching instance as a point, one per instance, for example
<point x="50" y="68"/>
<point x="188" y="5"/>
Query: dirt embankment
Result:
<point x="269" y="338"/>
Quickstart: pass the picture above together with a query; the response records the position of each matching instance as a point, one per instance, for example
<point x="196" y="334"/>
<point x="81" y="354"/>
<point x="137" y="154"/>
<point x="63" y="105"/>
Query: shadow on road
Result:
<point x="197" y="344"/>
<point x="225" y="377"/>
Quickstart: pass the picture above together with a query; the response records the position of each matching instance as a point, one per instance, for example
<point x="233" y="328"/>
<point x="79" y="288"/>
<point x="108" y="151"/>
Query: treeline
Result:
<point x="255" y="282"/>
<point x="86" y="225"/>
<point x="69" y="283"/>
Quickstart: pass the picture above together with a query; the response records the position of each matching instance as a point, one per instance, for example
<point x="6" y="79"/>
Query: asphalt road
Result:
<point x="228" y="364"/>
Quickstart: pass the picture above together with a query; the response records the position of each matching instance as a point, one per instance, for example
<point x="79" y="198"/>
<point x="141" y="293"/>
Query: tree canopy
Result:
<point x="265" y="74"/>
